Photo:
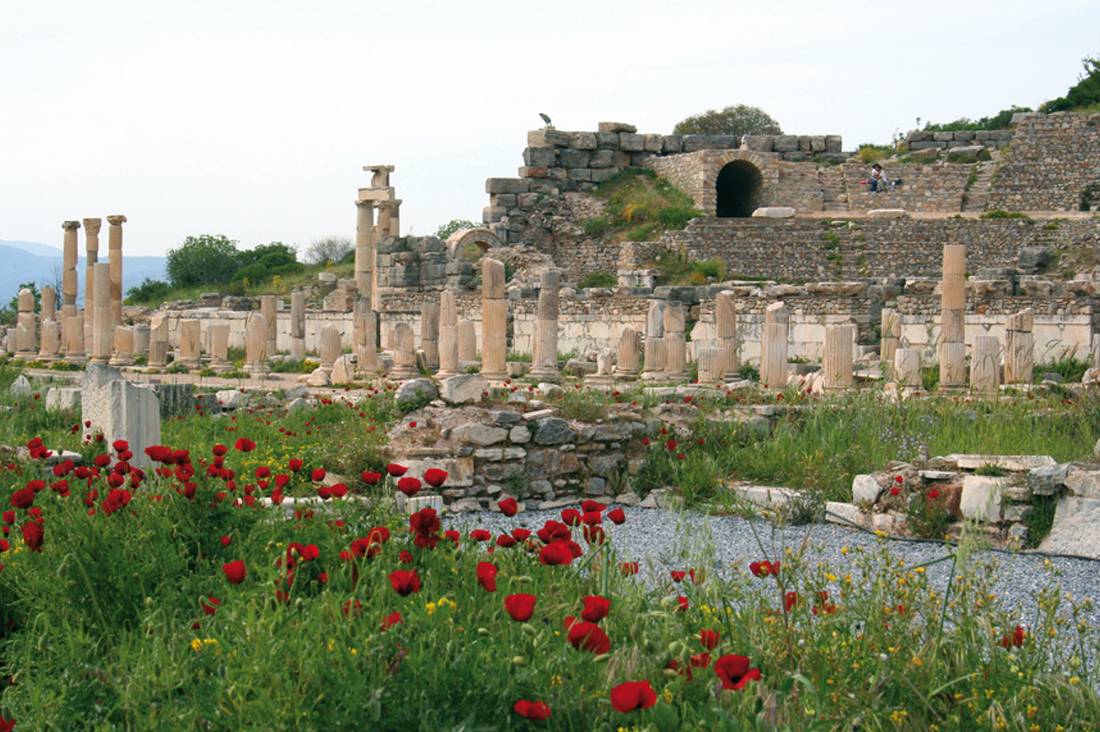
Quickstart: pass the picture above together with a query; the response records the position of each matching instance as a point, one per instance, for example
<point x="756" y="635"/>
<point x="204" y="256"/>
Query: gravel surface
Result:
<point x="661" y="540"/>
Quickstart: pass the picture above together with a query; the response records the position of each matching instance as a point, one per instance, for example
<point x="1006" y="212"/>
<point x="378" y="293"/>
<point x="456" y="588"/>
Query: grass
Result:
<point x="598" y="279"/>
<point x="1070" y="368"/>
<point x="278" y="285"/>
<point x="674" y="268"/>
<point x="1002" y="214"/>
<point x="640" y="205"/>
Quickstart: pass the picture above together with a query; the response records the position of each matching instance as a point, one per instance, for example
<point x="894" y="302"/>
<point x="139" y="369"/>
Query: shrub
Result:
<point x="149" y="291"/>
<point x="869" y="153"/>
<point x="1002" y="214"/>
<point x="596" y="226"/>
<point x="598" y="279"/>
<point x="330" y="249"/>
<point x="1070" y="368"/>
<point x="202" y="260"/>
<point x="736" y="120"/>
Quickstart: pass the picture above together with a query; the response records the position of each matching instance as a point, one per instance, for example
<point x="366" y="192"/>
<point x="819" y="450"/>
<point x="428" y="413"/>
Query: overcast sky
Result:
<point x="252" y="119"/>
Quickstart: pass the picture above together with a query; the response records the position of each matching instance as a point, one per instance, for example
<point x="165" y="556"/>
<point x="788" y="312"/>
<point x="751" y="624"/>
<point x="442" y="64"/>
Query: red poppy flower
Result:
<point x="396" y="470"/>
<point x="700" y="660"/>
<point x="556" y="552"/>
<point x="709" y="638"/>
<point x="520" y="606"/>
<point x="895" y="491"/>
<point x="1016" y="638"/>
<point x="631" y="695"/>
<point x="616" y="515"/>
<point x="590" y="637"/>
<point x="405" y="582"/>
<point x="588" y="506"/>
<point x="317" y="475"/>
<point x="435" y="477"/>
<point x="22" y="498"/>
<point x="734" y="671"/>
<point x="592" y="518"/>
<point x="244" y="444"/>
<point x="571" y="516"/>
<point x="764" y="568"/>
<point x="405" y="557"/>
<point x="235" y="571"/>
<point x="790" y="600"/>
<point x="32" y="535"/>
<point x="552" y="531"/>
<point x="409" y="485"/>
<point x="628" y="568"/>
<point x="682" y="604"/>
<point x="594" y="534"/>
<point x="7" y="725"/>
<point x="596" y="608"/>
<point x="933" y="494"/>
<point x="210" y="606"/>
<point x="226" y="540"/>
<point x="480" y="534"/>
<point x="487" y="576"/>
<point x="391" y="620"/>
<point x="370" y="478"/>
<point x="534" y="710"/>
<point x="508" y="506"/>
<point x="294" y="465"/>
<point x="677" y="575"/>
<point x="506" y="541"/>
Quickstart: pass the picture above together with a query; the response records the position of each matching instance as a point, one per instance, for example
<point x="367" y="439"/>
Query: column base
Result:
<point x="552" y="376"/>
<point x="631" y="375"/>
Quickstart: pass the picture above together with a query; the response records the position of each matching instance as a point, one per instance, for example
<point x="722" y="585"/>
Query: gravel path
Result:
<point x="661" y="540"/>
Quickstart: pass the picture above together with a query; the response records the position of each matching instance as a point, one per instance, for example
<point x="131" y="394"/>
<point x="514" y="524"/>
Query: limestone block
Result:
<point x="463" y="389"/>
<point x="865" y="489"/>
<point x="1076" y="528"/>
<point x="123" y="411"/>
<point x="773" y="212"/>
<point x="981" y="497"/>
<point x="887" y="213"/>
<point x="59" y="398"/>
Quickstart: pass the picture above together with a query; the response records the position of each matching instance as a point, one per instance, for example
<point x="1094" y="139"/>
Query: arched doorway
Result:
<point x="1090" y="197"/>
<point x="738" y="187"/>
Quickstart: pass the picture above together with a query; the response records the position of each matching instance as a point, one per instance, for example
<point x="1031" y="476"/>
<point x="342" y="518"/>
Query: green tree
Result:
<point x="265" y="261"/>
<point x="8" y="314"/>
<point x="454" y="225"/>
<point x="740" y="119"/>
<point x="329" y="249"/>
<point x="200" y="260"/>
<point x="1085" y="93"/>
<point x="148" y="291"/>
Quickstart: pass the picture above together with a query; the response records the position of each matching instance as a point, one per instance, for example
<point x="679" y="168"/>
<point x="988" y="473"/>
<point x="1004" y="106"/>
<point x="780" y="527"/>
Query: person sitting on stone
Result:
<point x="878" y="179"/>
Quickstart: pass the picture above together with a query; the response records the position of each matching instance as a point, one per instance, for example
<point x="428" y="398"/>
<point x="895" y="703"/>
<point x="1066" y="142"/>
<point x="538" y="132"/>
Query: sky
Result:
<point x="253" y="119"/>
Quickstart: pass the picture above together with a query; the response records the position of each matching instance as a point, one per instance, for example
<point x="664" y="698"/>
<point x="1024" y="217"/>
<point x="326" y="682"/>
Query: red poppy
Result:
<point x="790" y="600"/>
<point x="226" y="540"/>
<point x="552" y="531"/>
<point x="589" y="637"/>
<point x="235" y="571"/>
<point x="764" y="568"/>
<point x="7" y="725"/>
<point x="506" y="541"/>
<point x="1016" y="638"/>
<point x="631" y="695"/>
<point x="571" y="516"/>
<point x="700" y="660"/>
<point x="32" y="535"/>
<point x="480" y="534"/>
<point x="895" y="491"/>
<point x="487" y="576"/>
<point x="734" y="671"/>
<point x="521" y="534"/>
<point x="534" y="710"/>
<point x="594" y="534"/>
<point x="520" y="606"/>
<point x="933" y="494"/>
<point x="682" y="604"/>
<point x="22" y="498"/>
<point x="435" y="477"/>
<point x="396" y="470"/>
<point x="317" y="475"/>
<point x="596" y="608"/>
<point x="616" y="515"/>
<point x="588" y="506"/>
<point x="405" y="582"/>
<point x="391" y="620"/>
<point x="709" y="638"/>
<point x="244" y="445"/>
<point x="210" y="606"/>
<point x="508" y="506"/>
<point x="294" y="465"/>
<point x="409" y="485"/>
<point x="556" y="552"/>
<point x="628" y="568"/>
<point x="677" y="575"/>
<point x="405" y="557"/>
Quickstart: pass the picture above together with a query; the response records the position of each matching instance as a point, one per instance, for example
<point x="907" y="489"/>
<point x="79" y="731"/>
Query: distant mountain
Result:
<point x="28" y="261"/>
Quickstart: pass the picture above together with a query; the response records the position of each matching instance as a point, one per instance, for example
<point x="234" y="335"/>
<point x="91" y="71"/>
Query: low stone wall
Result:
<point x="927" y="140"/>
<point x="316" y="321"/>
<point x="1053" y="159"/>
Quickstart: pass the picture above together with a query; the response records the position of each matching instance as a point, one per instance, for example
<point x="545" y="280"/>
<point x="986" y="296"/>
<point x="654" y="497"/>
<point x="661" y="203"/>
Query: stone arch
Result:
<point x="1090" y="197"/>
<point x="464" y="241"/>
<point x="738" y="189"/>
<point x="711" y="164"/>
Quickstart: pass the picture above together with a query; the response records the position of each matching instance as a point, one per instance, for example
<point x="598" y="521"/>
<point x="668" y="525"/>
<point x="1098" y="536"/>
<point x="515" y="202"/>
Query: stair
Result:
<point x="977" y="195"/>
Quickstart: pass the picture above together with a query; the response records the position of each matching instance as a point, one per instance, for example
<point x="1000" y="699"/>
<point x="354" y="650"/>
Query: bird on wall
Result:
<point x="546" y="119"/>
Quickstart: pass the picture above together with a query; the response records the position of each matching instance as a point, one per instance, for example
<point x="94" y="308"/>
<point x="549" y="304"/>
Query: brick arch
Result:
<point x="706" y="196"/>
<point x="1090" y="196"/>
<point x="479" y="236"/>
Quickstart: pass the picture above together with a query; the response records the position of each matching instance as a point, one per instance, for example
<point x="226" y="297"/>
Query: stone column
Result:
<point x="50" y="340"/>
<point x="271" y="323"/>
<point x="838" y="357"/>
<point x="985" y="365"/>
<point x="725" y="328"/>
<point x="255" y="345"/>
<point x="141" y="340"/>
<point x="952" y="349"/>
<point x="448" y="335"/>
<point x="404" y="353"/>
<point x="91" y="258"/>
<point x="429" y="334"/>
<point x="1020" y="347"/>
<point x="603" y="377"/>
<point x="890" y="338"/>
<point x="158" y="345"/>
<point x="627" y="361"/>
<point x="907" y="368"/>
<point x="73" y="336"/>
<point x="114" y="249"/>
<point x="123" y="346"/>
<point x="494" y="321"/>
<point x="675" y="343"/>
<point x="710" y="361"/>
<point x="544" y="359"/>
<point x="773" y="346"/>
<point x="69" y="285"/>
<point x="330" y="347"/>
<point x="364" y="249"/>
<point x="654" y="342"/>
<point x="365" y="336"/>
<point x="467" y="342"/>
<point x="190" y="344"/>
<point x="102" y="336"/>
<point x="218" y="345"/>
<point x="298" y="324"/>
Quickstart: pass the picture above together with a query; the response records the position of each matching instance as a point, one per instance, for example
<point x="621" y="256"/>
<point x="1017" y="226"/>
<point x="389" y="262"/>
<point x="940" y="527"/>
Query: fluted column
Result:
<point x="190" y="344"/>
<point x="494" y="321"/>
<point x="628" y="355"/>
<point x="69" y="283"/>
<point x="102" y="340"/>
<point x="467" y="342"/>
<point x="364" y="249"/>
<point x="952" y="349"/>
<point x="838" y="356"/>
<point x="429" y="334"/>
<point x="1020" y="347"/>
<point x="91" y="258"/>
<point x="218" y="344"/>
<point x="773" y="346"/>
<point x="255" y="345"/>
<point x="271" y="323"/>
<point x="725" y="327"/>
<point x="907" y="368"/>
<point x="675" y="343"/>
<point x="654" y="342"/>
<point x="50" y="338"/>
<point x="404" y="352"/>
<point x="448" y="334"/>
<point x="298" y="324"/>
<point x="114" y="249"/>
<point x="890" y="338"/>
<point x="545" y="351"/>
<point x="985" y="365"/>
<point x="365" y="336"/>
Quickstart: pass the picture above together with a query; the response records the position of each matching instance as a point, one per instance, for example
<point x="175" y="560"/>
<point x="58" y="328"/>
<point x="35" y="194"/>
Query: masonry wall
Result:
<point x="1051" y="160"/>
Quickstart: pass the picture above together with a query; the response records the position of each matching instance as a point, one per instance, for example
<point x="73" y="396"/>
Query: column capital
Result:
<point x="116" y="220"/>
<point x="70" y="225"/>
<point x="91" y="226"/>
<point x="367" y="204"/>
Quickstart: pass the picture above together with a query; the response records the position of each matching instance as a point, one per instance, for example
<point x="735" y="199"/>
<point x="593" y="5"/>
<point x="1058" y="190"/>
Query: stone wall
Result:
<point x="922" y="140"/>
<point x="316" y="321"/>
<point x="1052" y="160"/>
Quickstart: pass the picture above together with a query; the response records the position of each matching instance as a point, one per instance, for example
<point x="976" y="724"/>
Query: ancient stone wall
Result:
<point x="922" y="140"/>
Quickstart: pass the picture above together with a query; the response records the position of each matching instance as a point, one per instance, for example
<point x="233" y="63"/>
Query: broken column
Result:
<point x="190" y="344"/>
<point x="709" y="361"/>
<point x="102" y="330"/>
<point x="603" y="377"/>
<point x="91" y="258"/>
<point x="1020" y="347"/>
<point x="494" y="321"/>
<point x="467" y="342"/>
<point x="838" y="356"/>
<point x="158" y="344"/>
<point x="364" y="334"/>
<point x="255" y="345"/>
<point x="725" y="333"/>
<point x="122" y="347"/>
<point x="985" y="365"/>
<point x="429" y="334"/>
<point x="628" y="355"/>
<point x="654" y="342"/>
<point x="773" y="346"/>
<point x="26" y="338"/>
<point x="73" y="337"/>
<point x="906" y="367"/>
<point x="120" y="410"/>
<point x="675" y="343"/>
<point x="544" y="361"/>
<point x="404" y="353"/>
<point x="69" y="287"/>
<point x="50" y="339"/>
<point x="330" y="348"/>
<point x="298" y="324"/>
<point x="141" y="340"/>
<point x="448" y="335"/>
<point x="952" y="347"/>
<point x="890" y="337"/>
<point x="364" y="250"/>
<point x="271" y="323"/>
<point x="218" y="345"/>
<point x="114" y="249"/>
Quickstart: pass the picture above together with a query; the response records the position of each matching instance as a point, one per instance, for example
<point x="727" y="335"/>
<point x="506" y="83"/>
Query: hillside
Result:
<point x="41" y="263"/>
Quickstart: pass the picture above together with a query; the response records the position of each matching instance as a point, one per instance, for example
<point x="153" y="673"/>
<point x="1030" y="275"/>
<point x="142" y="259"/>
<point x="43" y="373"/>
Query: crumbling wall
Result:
<point x="1051" y="160"/>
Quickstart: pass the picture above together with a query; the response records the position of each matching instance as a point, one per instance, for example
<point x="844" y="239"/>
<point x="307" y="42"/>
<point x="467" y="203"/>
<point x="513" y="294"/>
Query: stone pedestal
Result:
<point x="114" y="250"/>
<point x="91" y="258"/>
<point x="467" y="342"/>
<point x="725" y="328"/>
<point x="269" y="309"/>
<point x="255" y="345"/>
<point x="838" y="356"/>
<point x="448" y="335"/>
<point x="952" y="348"/>
<point x="494" y="321"/>
<point x="364" y="335"/>
<point x="1020" y="347"/>
<point x="675" y="343"/>
<point x="73" y="336"/>
<point x="906" y="368"/>
<point x="190" y="344"/>
<point x="330" y="348"/>
<point x="544" y="361"/>
<point x="158" y="345"/>
<point x="123" y="347"/>
<point x="603" y="377"/>
<point x="218" y="345"/>
<point x="404" y="353"/>
<point x="141" y="341"/>
<point x="26" y="331"/>
<point x="890" y="337"/>
<point x="120" y="411"/>
<point x="298" y="324"/>
<point x="709" y="361"/>
<point x="429" y="334"/>
<point x="627" y="363"/>
<point x="773" y="346"/>
<point x="102" y="330"/>
<point x="985" y="366"/>
<point x="654" y="366"/>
